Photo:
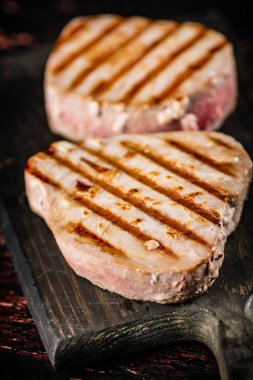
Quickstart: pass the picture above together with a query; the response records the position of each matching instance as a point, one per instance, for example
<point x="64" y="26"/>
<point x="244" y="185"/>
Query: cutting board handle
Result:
<point x="234" y="350"/>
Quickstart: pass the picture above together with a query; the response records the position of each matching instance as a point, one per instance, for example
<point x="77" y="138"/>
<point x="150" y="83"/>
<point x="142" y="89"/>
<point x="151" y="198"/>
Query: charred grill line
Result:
<point x="67" y="36"/>
<point x="138" y="203"/>
<point x="67" y="60"/>
<point x="115" y="219"/>
<point x="179" y="171"/>
<point x="222" y="143"/>
<point x="140" y="84"/>
<point x="188" y="203"/>
<point x="81" y="230"/>
<point x="81" y="186"/>
<point x="102" y="87"/>
<point x="188" y="72"/>
<point x="102" y="59"/>
<point x="207" y="160"/>
<point x="104" y="213"/>
<point x="41" y="176"/>
<point x="93" y="165"/>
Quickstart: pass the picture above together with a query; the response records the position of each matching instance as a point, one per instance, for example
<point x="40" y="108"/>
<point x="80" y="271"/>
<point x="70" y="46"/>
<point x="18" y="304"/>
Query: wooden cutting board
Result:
<point x="78" y="322"/>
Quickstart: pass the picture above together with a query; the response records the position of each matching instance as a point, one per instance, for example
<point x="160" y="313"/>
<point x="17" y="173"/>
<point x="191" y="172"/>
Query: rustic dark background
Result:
<point x="23" y="25"/>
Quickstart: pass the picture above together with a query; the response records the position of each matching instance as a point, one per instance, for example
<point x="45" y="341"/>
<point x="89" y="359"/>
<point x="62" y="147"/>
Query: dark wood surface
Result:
<point x="228" y="301"/>
<point x="22" y="354"/>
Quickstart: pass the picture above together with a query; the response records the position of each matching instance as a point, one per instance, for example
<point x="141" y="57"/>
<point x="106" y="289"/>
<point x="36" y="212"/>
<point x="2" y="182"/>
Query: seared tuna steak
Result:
<point x="108" y="75"/>
<point x="143" y="216"/>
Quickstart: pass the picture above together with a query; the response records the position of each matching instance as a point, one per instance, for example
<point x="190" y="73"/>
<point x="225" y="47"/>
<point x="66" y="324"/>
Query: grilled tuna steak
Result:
<point x="109" y="75"/>
<point x="143" y="216"/>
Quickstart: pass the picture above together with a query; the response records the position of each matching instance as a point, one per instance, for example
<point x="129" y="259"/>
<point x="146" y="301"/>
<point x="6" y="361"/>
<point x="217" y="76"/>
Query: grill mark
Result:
<point x="81" y="186"/>
<point x="102" y="87"/>
<point x="207" y="160"/>
<point x="124" y="225"/>
<point x="105" y="213"/>
<point x="98" y="168"/>
<point x="186" y="74"/>
<point x="170" y="165"/>
<point x="222" y="143"/>
<point x="37" y="173"/>
<point x="104" y="57"/>
<point x="71" y="33"/>
<point x="130" y="198"/>
<point x="185" y="201"/>
<point x="70" y="58"/>
<point x="108" y="247"/>
<point x="126" y="98"/>
<point x="83" y="231"/>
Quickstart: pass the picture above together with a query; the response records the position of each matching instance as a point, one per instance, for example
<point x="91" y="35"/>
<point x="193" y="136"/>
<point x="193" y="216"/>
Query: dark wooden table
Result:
<point x="21" y="351"/>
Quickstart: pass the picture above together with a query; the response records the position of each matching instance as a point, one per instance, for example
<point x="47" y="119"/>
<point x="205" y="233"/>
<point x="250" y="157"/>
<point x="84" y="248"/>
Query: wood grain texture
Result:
<point x="78" y="322"/>
<point x="23" y="355"/>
